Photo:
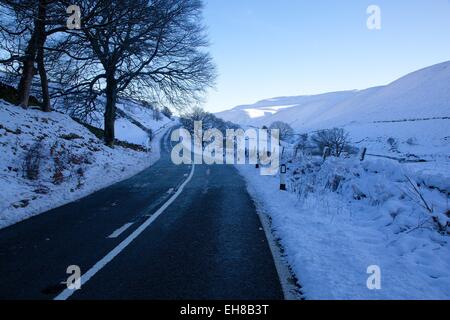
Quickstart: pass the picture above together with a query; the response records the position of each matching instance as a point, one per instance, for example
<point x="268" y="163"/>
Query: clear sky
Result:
<point x="269" y="48"/>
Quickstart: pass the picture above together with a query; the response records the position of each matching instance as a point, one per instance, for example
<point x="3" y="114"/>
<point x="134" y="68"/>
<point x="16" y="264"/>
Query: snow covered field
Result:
<point x="66" y="161"/>
<point x="342" y="216"/>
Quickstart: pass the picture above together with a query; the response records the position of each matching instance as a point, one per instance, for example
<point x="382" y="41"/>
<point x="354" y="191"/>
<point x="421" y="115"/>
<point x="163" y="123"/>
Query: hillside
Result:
<point x="409" y="117"/>
<point x="421" y="94"/>
<point x="48" y="159"/>
<point x="342" y="215"/>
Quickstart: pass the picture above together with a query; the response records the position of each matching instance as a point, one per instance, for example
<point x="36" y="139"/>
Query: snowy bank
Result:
<point x="342" y="216"/>
<point x="48" y="160"/>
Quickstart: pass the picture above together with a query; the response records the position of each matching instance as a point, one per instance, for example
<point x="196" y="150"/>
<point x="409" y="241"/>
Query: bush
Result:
<point x="393" y="144"/>
<point x="70" y="136"/>
<point x="286" y="131"/>
<point x="336" y="139"/>
<point x="166" y="111"/>
<point x="58" y="176"/>
<point x="301" y="145"/>
<point x="157" y="115"/>
<point x="412" y="141"/>
<point x="32" y="161"/>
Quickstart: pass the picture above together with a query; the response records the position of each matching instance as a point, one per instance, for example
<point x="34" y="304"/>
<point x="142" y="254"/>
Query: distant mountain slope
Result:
<point x="421" y="94"/>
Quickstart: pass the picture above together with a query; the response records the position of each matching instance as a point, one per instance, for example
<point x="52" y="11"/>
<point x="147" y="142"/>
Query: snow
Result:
<point x="130" y="132"/>
<point x="142" y="114"/>
<point x="88" y="165"/>
<point x="127" y="131"/>
<point x="421" y="94"/>
<point x="263" y="111"/>
<point x="414" y="110"/>
<point x="342" y="216"/>
<point x="331" y="238"/>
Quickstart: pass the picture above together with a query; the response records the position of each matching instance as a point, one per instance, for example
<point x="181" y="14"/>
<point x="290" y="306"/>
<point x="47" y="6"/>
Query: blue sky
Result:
<point x="269" y="48"/>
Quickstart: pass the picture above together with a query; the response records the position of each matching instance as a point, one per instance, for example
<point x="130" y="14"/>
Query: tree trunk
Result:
<point x="28" y="71"/>
<point x="110" y="110"/>
<point x="44" y="80"/>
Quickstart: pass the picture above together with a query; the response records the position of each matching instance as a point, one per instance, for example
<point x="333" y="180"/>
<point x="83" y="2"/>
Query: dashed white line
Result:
<point x="67" y="293"/>
<point x="119" y="231"/>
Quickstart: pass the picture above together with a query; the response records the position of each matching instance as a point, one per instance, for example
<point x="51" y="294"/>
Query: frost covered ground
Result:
<point x="392" y="210"/>
<point x="342" y="216"/>
<point x="71" y="161"/>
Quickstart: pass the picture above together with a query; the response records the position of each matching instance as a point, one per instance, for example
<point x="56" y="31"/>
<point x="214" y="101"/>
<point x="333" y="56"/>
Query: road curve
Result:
<point x="207" y="243"/>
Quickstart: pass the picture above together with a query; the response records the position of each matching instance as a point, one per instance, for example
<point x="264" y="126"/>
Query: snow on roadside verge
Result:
<point x="330" y="248"/>
<point x="86" y="164"/>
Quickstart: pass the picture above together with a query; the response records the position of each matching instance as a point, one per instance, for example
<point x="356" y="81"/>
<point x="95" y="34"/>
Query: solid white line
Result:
<point x="67" y="293"/>
<point x="119" y="231"/>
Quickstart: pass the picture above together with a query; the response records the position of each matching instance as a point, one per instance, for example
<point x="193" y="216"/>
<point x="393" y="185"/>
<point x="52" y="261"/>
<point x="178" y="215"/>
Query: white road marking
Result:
<point x="170" y="190"/>
<point x="119" y="231"/>
<point x="67" y="293"/>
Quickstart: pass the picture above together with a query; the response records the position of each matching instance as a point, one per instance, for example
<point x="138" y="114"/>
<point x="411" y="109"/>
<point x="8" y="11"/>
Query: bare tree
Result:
<point x="301" y="144"/>
<point x="148" y="50"/>
<point x="336" y="139"/>
<point x="209" y="121"/>
<point x="189" y="118"/>
<point x="286" y="131"/>
<point x="25" y="27"/>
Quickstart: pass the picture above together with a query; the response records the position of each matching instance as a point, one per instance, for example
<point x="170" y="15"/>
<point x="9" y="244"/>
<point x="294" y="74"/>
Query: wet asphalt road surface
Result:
<point x="208" y="244"/>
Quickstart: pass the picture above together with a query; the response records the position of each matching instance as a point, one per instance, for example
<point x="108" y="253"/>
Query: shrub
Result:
<point x="412" y="141"/>
<point x="167" y="112"/>
<point x="286" y="131"/>
<point x="70" y="136"/>
<point x="336" y="139"/>
<point x="301" y="145"/>
<point x="157" y="115"/>
<point x="32" y="161"/>
<point x="58" y="176"/>
<point x="393" y="144"/>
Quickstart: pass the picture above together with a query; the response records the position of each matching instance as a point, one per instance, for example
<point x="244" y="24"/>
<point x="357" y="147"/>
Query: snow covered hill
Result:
<point x="407" y="118"/>
<point x="421" y="94"/>
<point x="48" y="159"/>
<point x="135" y="123"/>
